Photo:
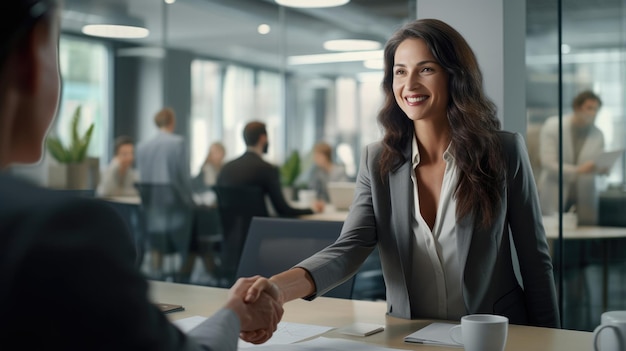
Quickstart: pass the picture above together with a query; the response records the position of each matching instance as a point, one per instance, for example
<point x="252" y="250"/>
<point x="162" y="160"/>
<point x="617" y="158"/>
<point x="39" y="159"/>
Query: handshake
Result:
<point x="259" y="304"/>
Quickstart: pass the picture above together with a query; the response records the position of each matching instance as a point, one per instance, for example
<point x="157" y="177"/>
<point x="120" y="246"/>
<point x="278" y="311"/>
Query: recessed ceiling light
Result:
<point x="264" y="28"/>
<point x="351" y="45"/>
<point x="565" y="49"/>
<point x="311" y="3"/>
<point x="374" y="64"/>
<point x="169" y="2"/>
<point x="115" y="31"/>
<point x="335" y="57"/>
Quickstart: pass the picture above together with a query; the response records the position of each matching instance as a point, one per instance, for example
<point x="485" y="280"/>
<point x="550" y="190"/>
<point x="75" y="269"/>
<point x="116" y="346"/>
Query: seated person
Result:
<point x="212" y="165"/>
<point x="324" y="171"/>
<point x="119" y="178"/>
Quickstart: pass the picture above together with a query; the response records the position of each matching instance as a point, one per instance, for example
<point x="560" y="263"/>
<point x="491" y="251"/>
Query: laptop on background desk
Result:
<point x="341" y="194"/>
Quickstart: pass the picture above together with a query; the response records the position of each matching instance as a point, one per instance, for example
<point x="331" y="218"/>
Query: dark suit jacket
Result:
<point x="68" y="280"/>
<point x="251" y="170"/>
<point x="381" y="216"/>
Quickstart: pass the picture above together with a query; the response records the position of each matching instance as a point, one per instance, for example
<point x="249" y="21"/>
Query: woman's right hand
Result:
<point x="254" y="293"/>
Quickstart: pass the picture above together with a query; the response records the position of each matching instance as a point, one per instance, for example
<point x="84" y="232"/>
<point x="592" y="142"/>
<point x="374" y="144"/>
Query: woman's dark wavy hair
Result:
<point x="471" y="115"/>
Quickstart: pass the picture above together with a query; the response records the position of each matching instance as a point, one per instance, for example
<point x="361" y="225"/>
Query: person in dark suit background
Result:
<point x="249" y="180"/>
<point x="251" y="170"/>
<point x="67" y="264"/>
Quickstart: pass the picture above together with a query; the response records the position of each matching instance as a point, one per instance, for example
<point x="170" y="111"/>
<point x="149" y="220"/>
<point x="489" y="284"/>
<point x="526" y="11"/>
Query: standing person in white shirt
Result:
<point x="443" y="196"/>
<point x="583" y="142"/>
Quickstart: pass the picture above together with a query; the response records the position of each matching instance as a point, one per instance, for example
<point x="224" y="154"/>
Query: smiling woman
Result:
<point x="460" y="187"/>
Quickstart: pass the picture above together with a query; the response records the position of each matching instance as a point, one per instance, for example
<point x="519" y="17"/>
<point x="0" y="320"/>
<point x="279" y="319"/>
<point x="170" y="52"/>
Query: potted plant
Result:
<point x="289" y="172"/>
<point x="74" y="170"/>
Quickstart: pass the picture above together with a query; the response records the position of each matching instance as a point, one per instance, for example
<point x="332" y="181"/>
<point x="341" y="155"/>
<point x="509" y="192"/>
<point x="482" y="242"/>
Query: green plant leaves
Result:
<point x="290" y="169"/>
<point x="77" y="150"/>
<point x="57" y="150"/>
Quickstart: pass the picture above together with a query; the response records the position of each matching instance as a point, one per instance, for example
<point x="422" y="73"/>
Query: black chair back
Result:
<point x="166" y="218"/>
<point x="237" y="205"/>
<point x="277" y="244"/>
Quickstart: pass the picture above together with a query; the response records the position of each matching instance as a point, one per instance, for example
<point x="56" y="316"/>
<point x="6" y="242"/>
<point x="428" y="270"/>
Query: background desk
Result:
<point x="584" y="248"/>
<point x="327" y="216"/>
<point x="204" y="301"/>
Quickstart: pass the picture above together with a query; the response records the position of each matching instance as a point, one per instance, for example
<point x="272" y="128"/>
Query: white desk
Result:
<point x="204" y="301"/>
<point x="588" y="232"/>
<point x="126" y="200"/>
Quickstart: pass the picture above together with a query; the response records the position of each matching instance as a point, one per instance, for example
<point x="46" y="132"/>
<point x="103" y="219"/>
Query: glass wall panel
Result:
<point x="582" y="196"/>
<point x="205" y="109"/>
<point x="85" y="70"/>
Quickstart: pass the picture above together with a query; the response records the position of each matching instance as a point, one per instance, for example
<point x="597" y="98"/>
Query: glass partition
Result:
<point x="577" y="49"/>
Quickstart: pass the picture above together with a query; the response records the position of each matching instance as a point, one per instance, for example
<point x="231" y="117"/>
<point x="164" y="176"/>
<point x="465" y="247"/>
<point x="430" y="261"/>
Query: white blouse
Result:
<point x="436" y="287"/>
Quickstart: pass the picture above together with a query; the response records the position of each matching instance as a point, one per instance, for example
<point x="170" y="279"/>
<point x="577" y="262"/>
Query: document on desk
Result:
<point x="287" y="333"/>
<point x="433" y="334"/>
<point x="325" y="344"/>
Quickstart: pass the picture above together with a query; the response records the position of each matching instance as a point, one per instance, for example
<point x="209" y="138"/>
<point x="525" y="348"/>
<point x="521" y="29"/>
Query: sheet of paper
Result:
<point x="288" y="333"/>
<point x="434" y="333"/>
<point x="325" y="344"/>
<point x="607" y="159"/>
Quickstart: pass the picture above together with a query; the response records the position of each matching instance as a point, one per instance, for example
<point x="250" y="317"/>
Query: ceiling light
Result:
<point x="264" y="28"/>
<point x="565" y="49"/>
<point x="169" y="2"/>
<point x="335" y="57"/>
<point x="374" y="64"/>
<point x="115" y="31"/>
<point x="351" y="45"/>
<point x="311" y="3"/>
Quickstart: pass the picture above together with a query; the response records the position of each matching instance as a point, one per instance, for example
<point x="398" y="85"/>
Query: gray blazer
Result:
<point x="381" y="215"/>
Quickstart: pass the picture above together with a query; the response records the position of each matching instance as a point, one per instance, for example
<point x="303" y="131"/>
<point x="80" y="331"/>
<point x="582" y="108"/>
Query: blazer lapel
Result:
<point x="401" y="190"/>
<point x="464" y="234"/>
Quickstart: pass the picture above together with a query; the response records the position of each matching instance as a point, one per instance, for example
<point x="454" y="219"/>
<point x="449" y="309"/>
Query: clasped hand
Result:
<point x="259" y="309"/>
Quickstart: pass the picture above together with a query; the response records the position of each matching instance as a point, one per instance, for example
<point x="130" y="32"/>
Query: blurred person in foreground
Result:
<point x="67" y="264"/>
<point x="441" y="196"/>
<point x="119" y="178"/>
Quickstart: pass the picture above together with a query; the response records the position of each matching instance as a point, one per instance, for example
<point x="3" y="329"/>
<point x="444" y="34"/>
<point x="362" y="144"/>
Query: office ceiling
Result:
<point x="227" y="29"/>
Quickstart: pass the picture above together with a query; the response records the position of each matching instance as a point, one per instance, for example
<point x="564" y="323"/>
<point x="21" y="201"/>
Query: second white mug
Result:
<point x="610" y="335"/>
<point x="481" y="332"/>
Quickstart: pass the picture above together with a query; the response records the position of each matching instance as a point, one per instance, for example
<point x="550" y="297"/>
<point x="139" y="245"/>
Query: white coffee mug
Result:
<point x="611" y="333"/>
<point x="306" y="197"/>
<point x="481" y="332"/>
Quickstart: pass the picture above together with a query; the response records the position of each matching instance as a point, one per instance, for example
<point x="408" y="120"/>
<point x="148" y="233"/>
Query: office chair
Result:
<point x="166" y="223"/>
<point x="236" y="205"/>
<point x="277" y="244"/>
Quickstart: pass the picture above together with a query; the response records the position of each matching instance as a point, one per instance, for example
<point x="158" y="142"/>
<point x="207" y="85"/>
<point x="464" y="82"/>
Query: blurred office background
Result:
<point x="222" y="63"/>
